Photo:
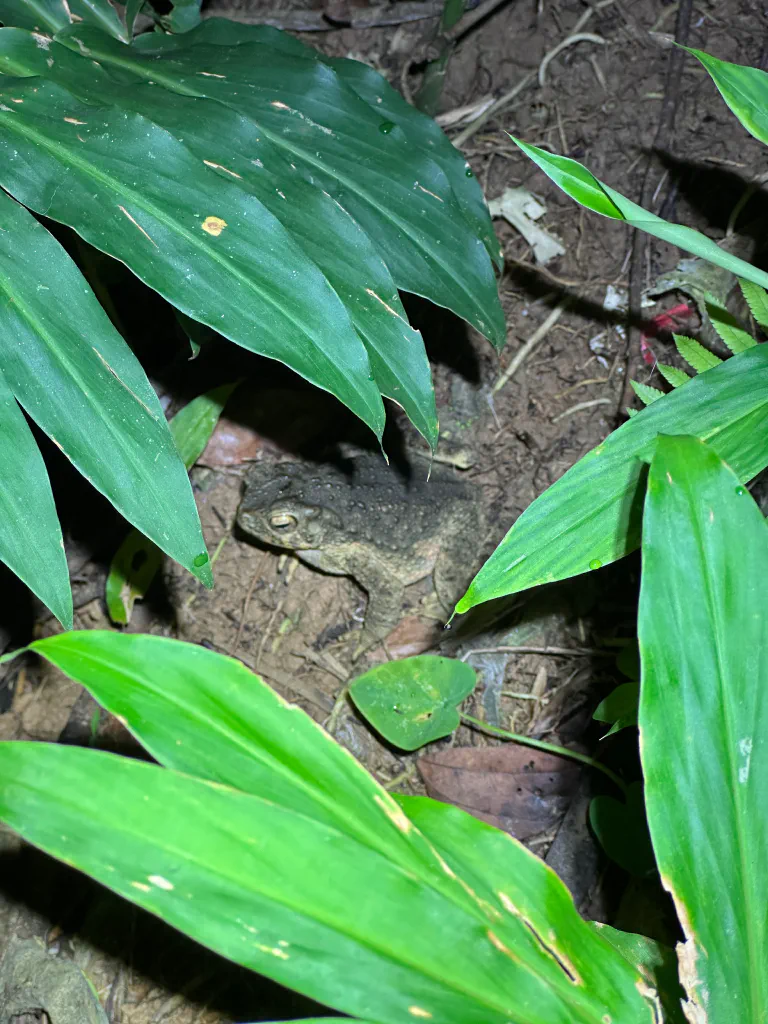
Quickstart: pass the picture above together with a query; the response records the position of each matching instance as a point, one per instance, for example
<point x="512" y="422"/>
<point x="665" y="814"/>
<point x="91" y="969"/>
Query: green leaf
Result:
<point x="656" y="962"/>
<point x="728" y="328"/>
<point x="621" y="828"/>
<point x="744" y="89"/>
<point x="31" y="544"/>
<point x="260" y="885"/>
<point x="231" y="146"/>
<point x="101" y="14"/>
<point x="413" y="701"/>
<point x="591" y="516"/>
<point x="36" y="15"/>
<point x="400" y="197"/>
<point x="697" y="357"/>
<point x="581" y="185"/>
<point x="672" y="375"/>
<point x="224" y="255"/>
<point x="757" y="300"/>
<point x="132" y="10"/>
<point x="704" y="721"/>
<point x="619" y="708"/>
<point x="573" y="956"/>
<point x="76" y="378"/>
<point x="646" y="393"/>
<point x="184" y="16"/>
<point x="137" y="560"/>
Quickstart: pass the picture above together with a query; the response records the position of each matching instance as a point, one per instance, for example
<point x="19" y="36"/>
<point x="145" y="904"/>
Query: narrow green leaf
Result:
<point x="581" y="185"/>
<point x="224" y="256"/>
<point x="132" y="10"/>
<point x="76" y="378"/>
<point x="31" y="544"/>
<point x="413" y="702"/>
<point x="35" y="15"/>
<point x="137" y="560"/>
<point x="728" y="328"/>
<point x="102" y="15"/>
<point x="400" y="197"/>
<point x="697" y="357"/>
<point x="259" y="884"/>
<point x="704" y="721"/>
<point x="744" y="89"/>
<point x="646" y="393"/>
<point x="420" y="131"/>
<point x="591" y="516"/>
<point x="510" y="878"/>
<point x="757" y="300"/>
<point x="672" y="375"/>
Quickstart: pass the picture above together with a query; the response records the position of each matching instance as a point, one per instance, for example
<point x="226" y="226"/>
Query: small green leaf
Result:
<point x="413" y="702"/>
<point x="744" y="89"/>
<point x="698" y="357"/>
<point x="656" y="962"/>
<point x="622" y="830"/>
<point x="757" y="300"/>
<point x="619" y="708"/>
<point x="672" y="375"/>
<point x="184" y="16"/>
<point x="729" y="330"/>
<point x="646" y="393"/>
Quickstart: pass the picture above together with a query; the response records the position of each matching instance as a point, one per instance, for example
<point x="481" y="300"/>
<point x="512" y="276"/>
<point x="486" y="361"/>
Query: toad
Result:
<point x="364" y="519"/>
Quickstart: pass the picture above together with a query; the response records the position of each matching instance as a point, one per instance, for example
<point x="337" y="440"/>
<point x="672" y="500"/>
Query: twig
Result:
<point x="562" y="652"/>
<point x="538" y="335"/>
<point x="320" y="21"/>
<point x="500" y="104"/>
<point x="471" y="18"/>
<point x="580" y="407"/>
<point x="576" y="37"/>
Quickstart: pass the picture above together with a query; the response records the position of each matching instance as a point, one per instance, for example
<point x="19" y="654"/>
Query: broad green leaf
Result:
<point x="581" y="185"/>
<point x="184" y="16"/>
<point x="698" y="357"/>
<point x="591" y="515"/>
<point x="704" y="721"/>
<point x="78" y="380"/>
<point x="757" y="300"/>
<point x="400" y="197"/>
<point x="656" y="962"/>
<point x="280" y="893"/>
<point x="413" y="701"/>
<point x="138" y="560"/>
<point x="421" y="132"/>
<point x="231" y="146"/>
<point x="210" y="716"/>
<point x="36" y="15"/>
<point x="132" y="10"/>
<point x="728" y="327"/>
<point x="646" y="393"/>
<point x="224" y="256"/>
<point x="30" y="536"/>
<point x="622" y="830"/>
<point x="672" y="375"/>
<point x="744" y="89"/>
<point x="511" y="879"/>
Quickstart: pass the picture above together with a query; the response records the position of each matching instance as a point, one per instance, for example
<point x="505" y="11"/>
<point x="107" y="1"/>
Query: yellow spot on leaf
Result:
<point x="136" y="224"/>
<point x="394" y="813"/>
<point x="213" y="225"/>
<point x="141" y="886"/>
<point x="210" y="74"/>
<point x="418" y="1011"/>
<point x="72" y="120"/>
<point x="429" y="193"/>
<point x="274" y="951"/>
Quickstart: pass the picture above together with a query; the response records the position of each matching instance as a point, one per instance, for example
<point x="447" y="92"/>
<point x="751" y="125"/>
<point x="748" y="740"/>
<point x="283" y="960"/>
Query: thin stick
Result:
<point x="581" y="406"/>
<point x="559" y="652"/>
<point x="538" y="335"/>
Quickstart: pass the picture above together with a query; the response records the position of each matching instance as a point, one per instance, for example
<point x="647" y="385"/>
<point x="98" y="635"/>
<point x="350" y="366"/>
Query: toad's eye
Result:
<point x="282" y="521"/>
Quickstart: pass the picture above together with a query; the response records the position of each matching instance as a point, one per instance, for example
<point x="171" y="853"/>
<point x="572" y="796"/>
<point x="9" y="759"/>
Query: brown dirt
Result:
<point x="601" y="105"/>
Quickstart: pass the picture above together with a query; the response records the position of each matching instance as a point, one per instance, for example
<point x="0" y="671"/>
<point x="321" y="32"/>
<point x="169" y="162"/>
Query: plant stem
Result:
<point x="551" y="748"/>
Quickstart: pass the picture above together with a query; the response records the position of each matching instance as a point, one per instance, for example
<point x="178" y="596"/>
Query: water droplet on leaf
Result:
<point x="741" y="490"/>
<point x="469" y="173"/>
<point x="595" y="564"/>
<point x="199" y="560"/>
<point x="386" y="127"/>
